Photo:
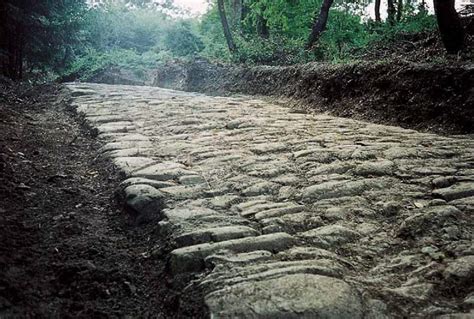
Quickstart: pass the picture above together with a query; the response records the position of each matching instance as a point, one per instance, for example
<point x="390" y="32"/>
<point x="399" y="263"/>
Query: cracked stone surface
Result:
<point x="280" y="215"/>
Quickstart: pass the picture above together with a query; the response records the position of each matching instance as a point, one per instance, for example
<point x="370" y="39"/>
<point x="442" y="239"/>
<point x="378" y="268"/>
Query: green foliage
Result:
<point x="67" y="37"/>
<point x="348" y="31"/>
<point x="38" y="34"/>
<point x="183" y="41"/>
<point x="132" y="39"/>
<point x="93" y="62"/>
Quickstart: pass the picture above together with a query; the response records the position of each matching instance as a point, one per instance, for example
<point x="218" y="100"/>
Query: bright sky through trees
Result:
<point x="195" y="6"/>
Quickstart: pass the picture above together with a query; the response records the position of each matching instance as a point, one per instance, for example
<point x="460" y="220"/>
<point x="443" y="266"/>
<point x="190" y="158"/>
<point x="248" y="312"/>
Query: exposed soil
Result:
<point x="428" y="97"/>
<point x="66" y="249"/>
<point x="410" y="82"/>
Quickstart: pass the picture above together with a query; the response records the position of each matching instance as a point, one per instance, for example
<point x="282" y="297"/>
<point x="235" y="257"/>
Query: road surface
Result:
<point x="286" y="215"/>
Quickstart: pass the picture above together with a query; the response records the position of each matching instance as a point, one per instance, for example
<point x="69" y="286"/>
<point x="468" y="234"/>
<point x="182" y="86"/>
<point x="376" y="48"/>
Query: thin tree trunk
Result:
<point x="399" y="9"/>
<point x="20" y="61"/>
<point x="391" y="12"/>
<point x="377" y="11"/>
<point x="320" y="23"/>
<point x="225" y="26"/>
<point x="262" y="26"/>
<point x="449" y="25"/>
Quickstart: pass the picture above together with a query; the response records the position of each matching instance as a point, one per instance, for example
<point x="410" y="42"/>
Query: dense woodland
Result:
<point x="46" y="39"/>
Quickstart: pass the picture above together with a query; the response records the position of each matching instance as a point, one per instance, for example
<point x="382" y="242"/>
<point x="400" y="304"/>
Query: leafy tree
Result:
<point x="320" y="23"/>
<point x="38" y="34"/>
<point x="225" y="26"/>
<point x="182" y="41"/>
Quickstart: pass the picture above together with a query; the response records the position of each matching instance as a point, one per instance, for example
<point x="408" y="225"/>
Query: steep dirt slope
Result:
<point x="429" y="97"/>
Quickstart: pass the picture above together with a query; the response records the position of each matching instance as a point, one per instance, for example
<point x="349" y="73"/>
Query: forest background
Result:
<point x="75" y="39"/>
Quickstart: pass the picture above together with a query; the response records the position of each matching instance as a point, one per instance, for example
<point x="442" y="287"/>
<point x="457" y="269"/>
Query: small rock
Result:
<point x="144" y="202"/>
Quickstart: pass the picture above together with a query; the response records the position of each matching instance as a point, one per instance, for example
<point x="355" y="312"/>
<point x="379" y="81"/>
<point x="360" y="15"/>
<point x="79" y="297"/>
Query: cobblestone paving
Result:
<point x="287" y="215"/>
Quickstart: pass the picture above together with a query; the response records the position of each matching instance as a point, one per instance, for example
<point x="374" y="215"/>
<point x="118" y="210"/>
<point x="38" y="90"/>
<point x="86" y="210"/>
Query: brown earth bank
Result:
<point x="67" y="249"/>
<point x="424" y="96"/>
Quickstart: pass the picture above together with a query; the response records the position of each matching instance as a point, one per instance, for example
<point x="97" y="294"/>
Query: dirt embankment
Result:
<point x="427" y="97"/>
<point x="66" y="249"/>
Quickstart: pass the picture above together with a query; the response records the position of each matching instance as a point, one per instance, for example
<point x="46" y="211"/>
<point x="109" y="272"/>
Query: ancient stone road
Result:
<point x="285" y="215"/>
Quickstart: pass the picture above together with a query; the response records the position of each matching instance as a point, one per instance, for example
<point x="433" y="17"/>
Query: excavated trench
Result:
<point x="262" y="211"/>
<point x="428" y="97"/>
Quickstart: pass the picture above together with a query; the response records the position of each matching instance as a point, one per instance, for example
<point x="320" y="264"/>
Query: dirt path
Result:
<point x="273" y="214"/>
<point x="67" y="250"/>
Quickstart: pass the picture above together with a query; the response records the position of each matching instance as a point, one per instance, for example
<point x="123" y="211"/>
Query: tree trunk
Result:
<point x="262" y="26"/>
<point x="399" y="9"/>
<point x="225" y="26"/>
<point x="377" y="11"/>
<point x="320" y="24"/>
<point x="449" y="25"/>
<point x="391" y="12"/>
<point x="20" y="62"/>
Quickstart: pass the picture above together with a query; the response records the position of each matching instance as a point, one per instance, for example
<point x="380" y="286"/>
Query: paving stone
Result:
<point x="269" y="148"/>
<point x="378" y="168"/>
<point x="185" y="192"/>
<point x="145" y="181"/>
<point x="188" y="212"/>
<point x="299" y="252"/>
<point x="460" y="270"/>
<point x="214" y="235"/>
<point x="191" y="259"/>
<point x="418" y="292"/>
<point x="394" y="201"/>
<point x="333" y="168"/>
<point x="428" y="219"/>
<point x="144" y="202"/>
<point x="225" y="275"/>
<point x="262" y="188"/>
<point x="456" y="191"/>
<point x="192" y="180"/>
<point x="238" y="259"/>
<point x="128" y="165"/>
<point x="292" y="296"/>
<point x="163" y="171"/>
<point x="277" y="212"/>
<point x="331" y="235"/>
<point x="341" y="188"/>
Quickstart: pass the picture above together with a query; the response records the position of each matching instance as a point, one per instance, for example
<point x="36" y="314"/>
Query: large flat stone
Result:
<point x="129" y="164"/>
<point x="328" y="236"/>
<point x="215" y="235"/>
<point x="292" y="296"/>
<point x="333" y="189"/>
<point x="191" y="259"/>
<point x="164" y="171"/>
<point x="277" y="212"/>
<point x="456" y="191"/>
